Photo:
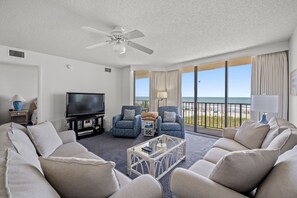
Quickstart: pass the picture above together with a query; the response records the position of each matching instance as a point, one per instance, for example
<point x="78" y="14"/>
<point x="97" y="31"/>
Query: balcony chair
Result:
<point x="127" y="124"/>
<point x="173" y="127"/>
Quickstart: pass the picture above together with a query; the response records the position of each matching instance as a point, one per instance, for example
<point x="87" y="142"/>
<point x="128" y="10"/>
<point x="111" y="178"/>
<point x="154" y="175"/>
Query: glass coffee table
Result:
<point x="156" y="156"/>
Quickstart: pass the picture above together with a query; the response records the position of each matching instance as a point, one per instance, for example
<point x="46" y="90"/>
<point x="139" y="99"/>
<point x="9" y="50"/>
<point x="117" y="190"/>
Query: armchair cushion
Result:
<point x="67" y="136"/>
<point x="242" y="171"/>
<point x="170" y="126"/>
<point x="169" y="116"/>
<point x="129" y="114"/>
<point x="124" y="124"/>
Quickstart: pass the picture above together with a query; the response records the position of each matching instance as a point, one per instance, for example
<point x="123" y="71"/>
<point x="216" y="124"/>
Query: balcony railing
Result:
<point x="211" y="115"/>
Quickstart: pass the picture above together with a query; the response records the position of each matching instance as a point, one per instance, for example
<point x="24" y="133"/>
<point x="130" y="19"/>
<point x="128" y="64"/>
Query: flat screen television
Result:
<point x="84" y="104"/>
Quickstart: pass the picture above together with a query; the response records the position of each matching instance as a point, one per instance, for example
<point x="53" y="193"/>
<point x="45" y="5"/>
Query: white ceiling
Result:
<point x="177" y="30"/>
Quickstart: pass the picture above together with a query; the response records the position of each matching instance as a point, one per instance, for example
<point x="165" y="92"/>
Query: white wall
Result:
<point x="127" y="86"/>
<point x="16" y="79"/>
<point x="55" y="80"/>
<point x="293" y="66"/>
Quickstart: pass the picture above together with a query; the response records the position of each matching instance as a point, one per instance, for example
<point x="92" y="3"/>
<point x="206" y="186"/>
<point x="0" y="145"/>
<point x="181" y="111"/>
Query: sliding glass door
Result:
<point x="216" y="95"/>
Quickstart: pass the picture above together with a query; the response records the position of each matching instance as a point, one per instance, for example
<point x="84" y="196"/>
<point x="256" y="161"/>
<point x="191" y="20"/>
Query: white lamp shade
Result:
<point x="18" y="97"/>
<point x="162" y="94"/>
<point x="265" y="103"/>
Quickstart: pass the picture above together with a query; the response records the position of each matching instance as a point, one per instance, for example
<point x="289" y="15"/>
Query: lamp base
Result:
<point x="18" y="105"/>
<point x="263" y="119"/>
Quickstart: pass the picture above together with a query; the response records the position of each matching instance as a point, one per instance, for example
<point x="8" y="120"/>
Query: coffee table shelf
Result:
<point x="167" y="152"/>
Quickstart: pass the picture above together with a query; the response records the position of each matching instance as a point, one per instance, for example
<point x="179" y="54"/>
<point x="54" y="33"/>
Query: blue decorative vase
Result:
<point x="264" y="119"/>
<point x="18" y="105"/>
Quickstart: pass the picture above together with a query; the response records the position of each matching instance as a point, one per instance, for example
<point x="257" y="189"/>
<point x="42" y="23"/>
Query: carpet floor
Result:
<point x="114" y="149"/>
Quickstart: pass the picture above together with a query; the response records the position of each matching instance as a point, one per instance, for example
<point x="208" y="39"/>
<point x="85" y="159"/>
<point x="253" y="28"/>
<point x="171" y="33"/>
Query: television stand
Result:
<point x="86" y="126"/>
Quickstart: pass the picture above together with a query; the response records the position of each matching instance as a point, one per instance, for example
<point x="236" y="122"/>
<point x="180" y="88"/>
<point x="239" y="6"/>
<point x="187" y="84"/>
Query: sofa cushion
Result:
<point x="45" y="138"/>
<point x="229" y="145"/>
<point x="125" y="124"/>
<point x="202" y="167"/>
<point x="76" y="178"/>
<point x="69" y="150"/>
<point x="285" y="141"/>
<point x="215" y="154"/>
<point x="123" y="179"/>
<point x="251" y="134"/>
<point x="24" y="180"/>
<point x="169" y="116"/>
<point x="282" y="179"/>
<point x="277" y="126"/>
<point x="129" y="114"/>
<point x="242" y="171"/>
<point x="24" y="147"/>
<point x="170" y="126"/>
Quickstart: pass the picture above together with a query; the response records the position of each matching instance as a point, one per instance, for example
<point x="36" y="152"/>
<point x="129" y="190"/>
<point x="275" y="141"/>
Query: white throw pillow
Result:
<point x="24" y="147"/>
<point x="277" y="126"/>
<point x="169" y="116"/>
<point x="251" y="134"/>
<point x="45" y="138"/>
<point x="284" y="141"/>
<point x="242" y="171"/>
<point x="76" y="177"/>
<point x="129" y="114"/>
<point x="24" y="180"/>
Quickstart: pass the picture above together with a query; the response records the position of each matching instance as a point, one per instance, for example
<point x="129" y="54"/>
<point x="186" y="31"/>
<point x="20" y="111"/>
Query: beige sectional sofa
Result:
<point x="280" y="182"/>
<point x="68" y="148"/>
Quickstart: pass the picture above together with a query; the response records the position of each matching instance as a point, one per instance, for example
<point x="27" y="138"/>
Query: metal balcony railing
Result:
<point x="211" y="115"/>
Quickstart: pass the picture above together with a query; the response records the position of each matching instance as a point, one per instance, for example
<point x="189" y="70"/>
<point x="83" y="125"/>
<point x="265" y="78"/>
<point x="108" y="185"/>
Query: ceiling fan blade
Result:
<point x="97" y="45"/>
<point x="90" y="29"/>
<point x="133" y="34"/>
<point x="140" y="47"/>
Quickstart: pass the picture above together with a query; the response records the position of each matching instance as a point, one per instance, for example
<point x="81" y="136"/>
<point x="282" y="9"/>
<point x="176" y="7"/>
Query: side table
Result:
<point x="20" y="117"/>
<point x="149" y="127"/>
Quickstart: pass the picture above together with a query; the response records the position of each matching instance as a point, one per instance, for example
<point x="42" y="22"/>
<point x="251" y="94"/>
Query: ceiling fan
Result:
<point x="119" y="39"/>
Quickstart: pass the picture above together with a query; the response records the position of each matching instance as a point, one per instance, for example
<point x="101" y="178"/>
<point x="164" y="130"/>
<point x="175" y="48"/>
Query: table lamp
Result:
<point x="18" y="102"/>
<point x="264" y="104"/>
<point x="161" y="95"/>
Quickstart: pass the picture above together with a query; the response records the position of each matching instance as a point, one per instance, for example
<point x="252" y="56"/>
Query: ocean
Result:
<point x="239" y="100"/>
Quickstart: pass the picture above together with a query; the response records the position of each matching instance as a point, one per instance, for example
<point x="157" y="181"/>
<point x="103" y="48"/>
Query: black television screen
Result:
<point x="83" y="104"/>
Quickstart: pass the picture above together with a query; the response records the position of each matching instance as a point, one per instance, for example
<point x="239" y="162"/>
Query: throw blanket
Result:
<point x="149" y="115"/>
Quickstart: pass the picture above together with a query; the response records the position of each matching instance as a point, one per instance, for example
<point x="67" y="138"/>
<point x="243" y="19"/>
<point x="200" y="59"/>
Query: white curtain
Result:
<point x="173" y="86"/>
<point x="169" y="81"/>
<point x="157" y="83"/>
<point x="270" y="77"/>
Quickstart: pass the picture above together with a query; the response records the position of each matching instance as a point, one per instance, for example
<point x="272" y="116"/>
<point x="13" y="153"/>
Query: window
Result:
<point x="142" y="89"/>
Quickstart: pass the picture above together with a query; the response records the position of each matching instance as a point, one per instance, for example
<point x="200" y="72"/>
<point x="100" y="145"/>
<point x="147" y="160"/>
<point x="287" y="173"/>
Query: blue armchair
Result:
<point x="175" y="128"/>
<point x="127" y="128"/>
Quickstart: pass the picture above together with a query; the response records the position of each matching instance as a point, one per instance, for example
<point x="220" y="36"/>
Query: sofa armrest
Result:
<point x="186" y="183"/>
<point x="159" y="123"/>
<point x="115" y="119"/>
<point x="137" y="122"/>
<point x="144" y="186"/>
<point x="229" y="133"/>
<point x="180" y="120"/>
<point x="67" y="136"/>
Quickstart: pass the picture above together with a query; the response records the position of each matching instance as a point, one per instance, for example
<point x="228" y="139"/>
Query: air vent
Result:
<point x="107" y="69"/>
<point x="18" y="54"/>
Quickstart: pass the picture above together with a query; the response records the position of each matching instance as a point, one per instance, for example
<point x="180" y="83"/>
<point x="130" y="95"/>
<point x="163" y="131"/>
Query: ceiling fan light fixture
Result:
<point x="119" y="47"/>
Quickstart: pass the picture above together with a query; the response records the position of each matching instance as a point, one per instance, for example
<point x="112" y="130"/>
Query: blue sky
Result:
<point x="211" y="83"/>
